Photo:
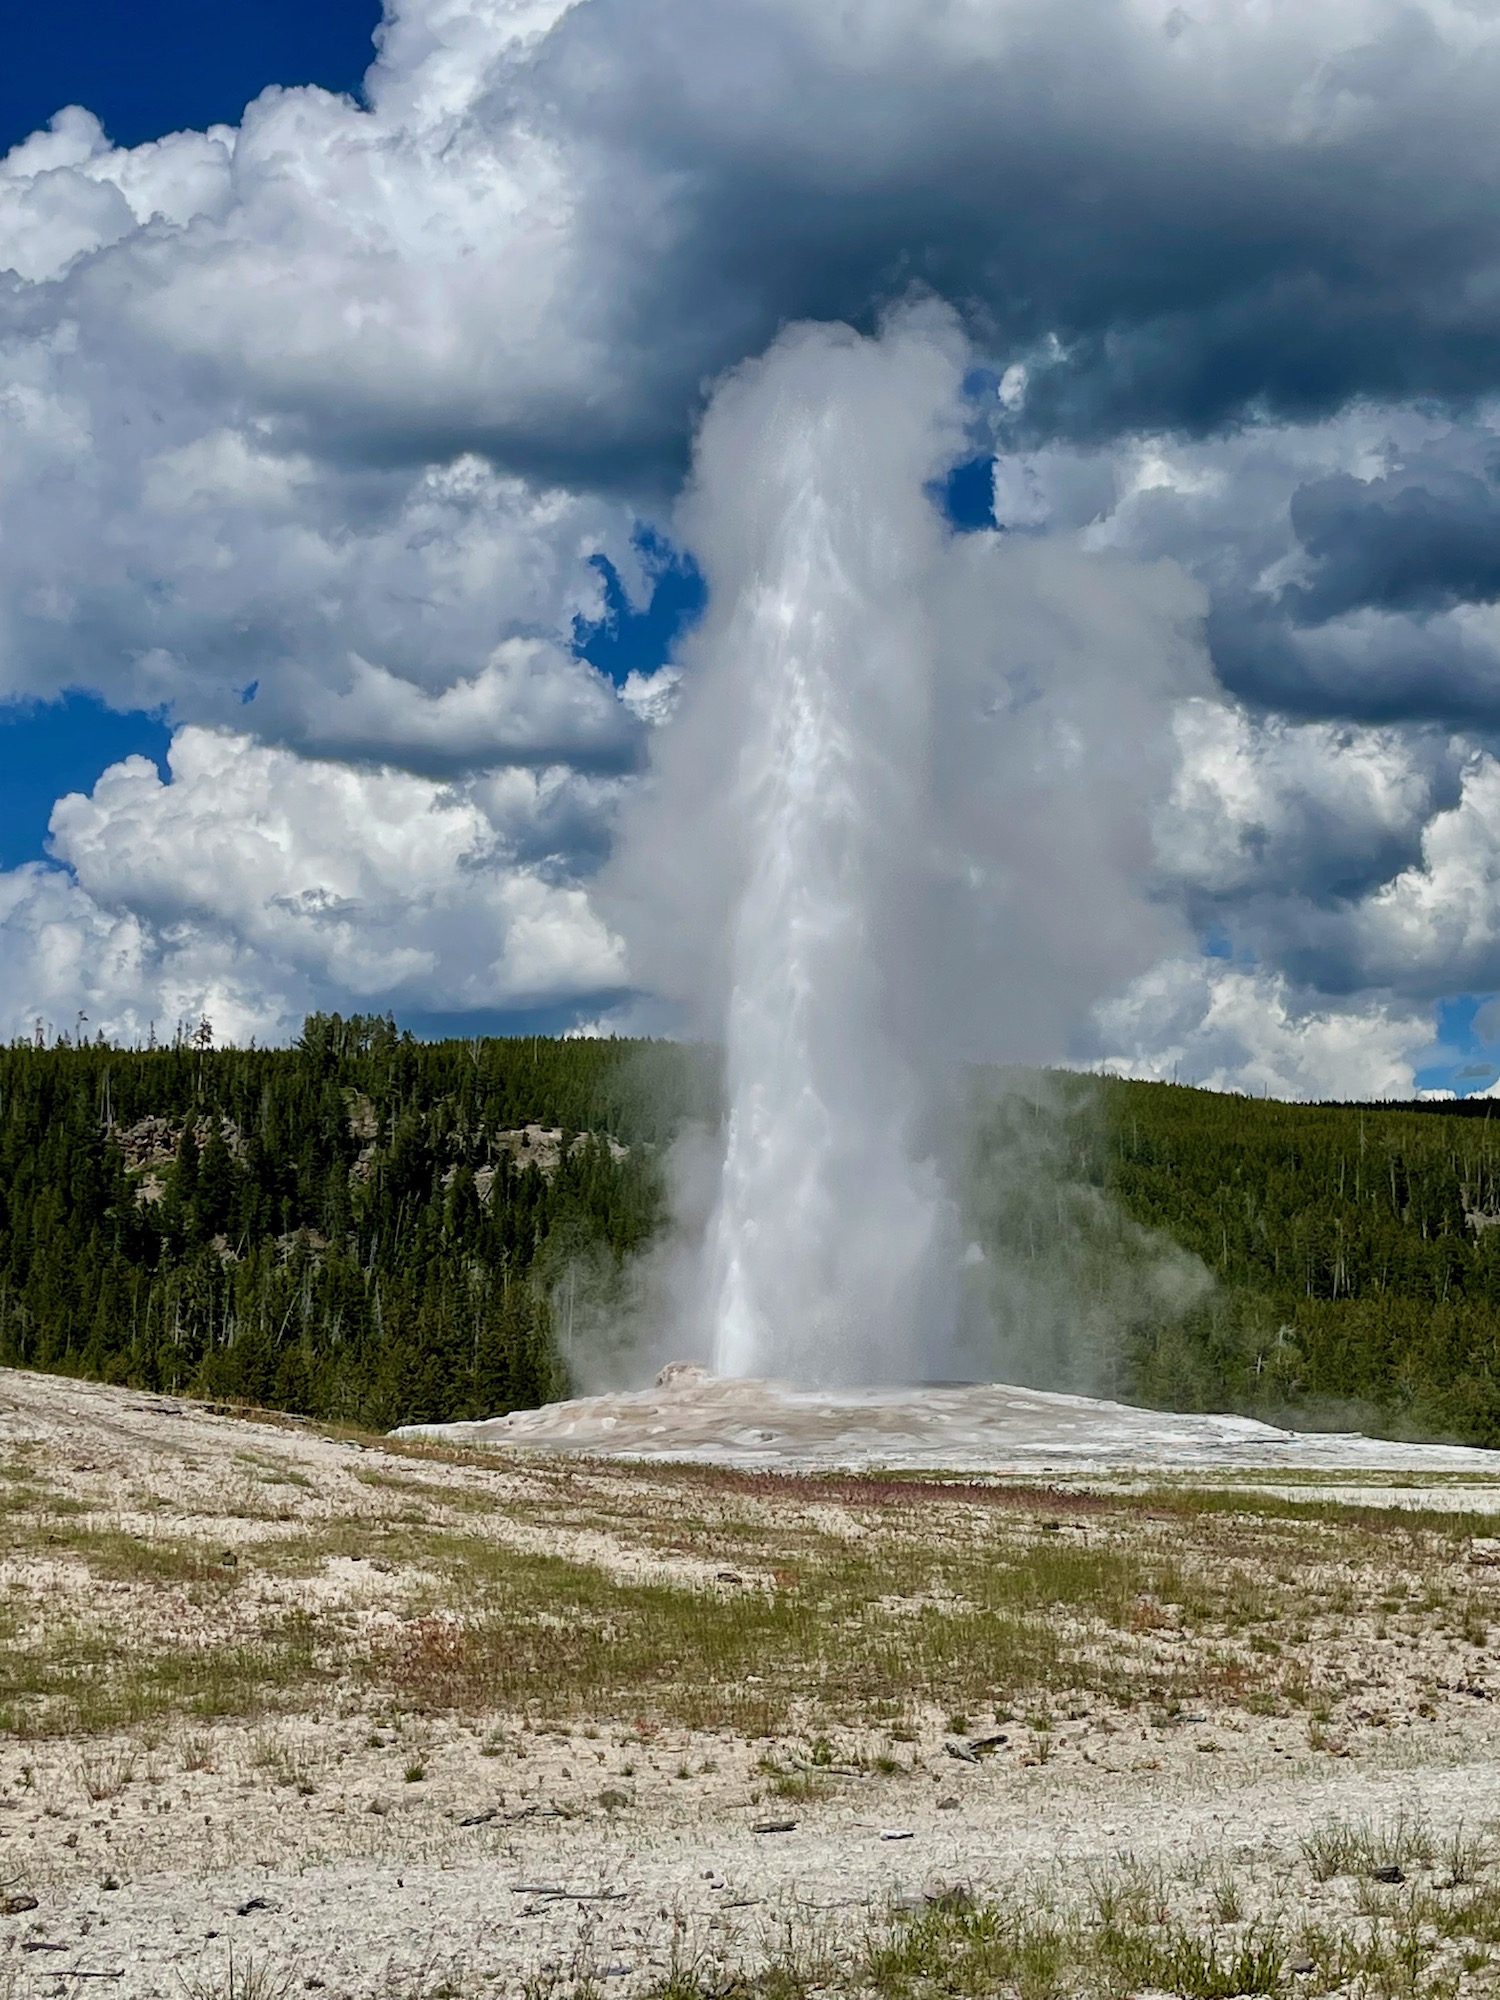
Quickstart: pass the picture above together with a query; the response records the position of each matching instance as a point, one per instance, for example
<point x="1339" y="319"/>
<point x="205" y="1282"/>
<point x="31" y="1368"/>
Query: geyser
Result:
<point x="828" y="1238"/>
<point x="898" y="821"/>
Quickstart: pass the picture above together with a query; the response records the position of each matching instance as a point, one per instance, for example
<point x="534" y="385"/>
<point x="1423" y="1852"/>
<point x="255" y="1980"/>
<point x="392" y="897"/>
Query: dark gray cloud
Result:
<point x="1191" y="218"/>
<point x="544" y="248"/>
<point x="1378" y="624"/>
<point x="1365" y="667"/>
<point x="1401" y="543"/>
<point x="1351" y="565"/>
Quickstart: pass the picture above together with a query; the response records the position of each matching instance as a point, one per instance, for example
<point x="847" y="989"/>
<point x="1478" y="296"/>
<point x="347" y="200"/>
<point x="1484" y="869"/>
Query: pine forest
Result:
<point x="373" y="1230"/>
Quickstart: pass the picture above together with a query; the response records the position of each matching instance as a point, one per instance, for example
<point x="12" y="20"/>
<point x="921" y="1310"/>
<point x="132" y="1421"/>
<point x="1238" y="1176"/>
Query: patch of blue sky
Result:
<point x="166" y="65"/>
<point x="48" y="749"/>
<point x="553" y="1019"/>
<point x="1465" y="1055"/>
<point x="628" y="640"/>
<point x="967" y="495"/>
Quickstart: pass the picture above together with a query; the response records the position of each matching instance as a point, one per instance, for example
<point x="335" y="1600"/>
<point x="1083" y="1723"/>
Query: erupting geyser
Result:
<point x="828" y="1239"/>
<point x="897" y="822"/>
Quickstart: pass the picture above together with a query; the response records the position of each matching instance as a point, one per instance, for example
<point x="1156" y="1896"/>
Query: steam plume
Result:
<point x="890" y="828"/>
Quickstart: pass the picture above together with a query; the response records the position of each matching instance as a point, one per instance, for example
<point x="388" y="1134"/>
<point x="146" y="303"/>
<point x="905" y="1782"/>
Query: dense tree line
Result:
<point x="1355" y="1251"/>
<point x="364" y="1227"/>
<point x="358" y="1227"/>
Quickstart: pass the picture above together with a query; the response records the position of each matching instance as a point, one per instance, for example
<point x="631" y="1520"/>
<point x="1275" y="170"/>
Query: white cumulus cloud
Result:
<point x="256" y="883"/>
<point x="1225" y="1027"/>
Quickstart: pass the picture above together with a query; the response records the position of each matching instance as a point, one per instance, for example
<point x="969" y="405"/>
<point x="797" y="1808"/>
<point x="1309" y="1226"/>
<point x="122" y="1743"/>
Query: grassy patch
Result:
<point x="725" y="1600"/>
<point x="79" y="1680"/>
<point x="955" y="1947"/>
<point x="1360" y="1847"/>
<point x="1124" y="1939"/>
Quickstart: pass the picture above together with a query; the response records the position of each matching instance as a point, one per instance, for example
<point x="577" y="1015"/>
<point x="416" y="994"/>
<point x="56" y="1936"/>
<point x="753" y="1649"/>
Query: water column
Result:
<point x="822" y="1256"/>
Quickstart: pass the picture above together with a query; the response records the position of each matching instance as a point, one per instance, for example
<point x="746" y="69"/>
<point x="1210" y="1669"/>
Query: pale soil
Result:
<point x="144" y="1842"/>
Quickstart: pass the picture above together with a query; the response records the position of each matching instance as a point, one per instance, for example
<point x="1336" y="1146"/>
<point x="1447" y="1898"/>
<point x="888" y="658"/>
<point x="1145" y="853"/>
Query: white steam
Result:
<point x="899" y="821"/>
<point x="824" y="1239"/>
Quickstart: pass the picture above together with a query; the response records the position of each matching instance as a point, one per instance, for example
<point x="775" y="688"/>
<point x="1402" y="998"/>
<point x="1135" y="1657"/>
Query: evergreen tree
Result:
<point x="336" y="1228"/>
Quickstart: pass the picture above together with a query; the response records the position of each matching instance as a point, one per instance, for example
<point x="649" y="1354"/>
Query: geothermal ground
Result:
<point x="693" y="1416"/>
<point x="383" y="1717"/>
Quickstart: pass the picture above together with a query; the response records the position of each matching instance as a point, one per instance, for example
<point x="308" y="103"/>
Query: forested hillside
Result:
<point x="1357" y="1249"/>
<point x="373" y="1228"/>
<point x="365" y="1226"/>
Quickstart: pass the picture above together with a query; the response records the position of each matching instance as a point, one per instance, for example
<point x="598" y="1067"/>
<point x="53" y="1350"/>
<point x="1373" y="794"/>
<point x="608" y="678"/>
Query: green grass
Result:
<point x="936" y="1623"/>
<point x="1358" y="1847"/>
<point x="1447" y="1524"/>
<point x="1035" y="1944"/>
<point x="81" y="1681"/>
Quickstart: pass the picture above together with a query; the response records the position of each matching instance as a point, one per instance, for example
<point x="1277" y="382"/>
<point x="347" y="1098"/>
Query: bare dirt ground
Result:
<point x="288" y="1711"/>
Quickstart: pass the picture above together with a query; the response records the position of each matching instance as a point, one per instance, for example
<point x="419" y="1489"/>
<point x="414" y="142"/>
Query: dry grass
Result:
<point x="1131" y="1930"/>
<point x="242" y="1979"/>
<point x="700" y="1597"/>
<point x="262" y="1648"/>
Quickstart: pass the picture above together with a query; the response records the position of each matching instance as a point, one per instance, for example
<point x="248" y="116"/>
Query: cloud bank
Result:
<point x="315" y="431"/>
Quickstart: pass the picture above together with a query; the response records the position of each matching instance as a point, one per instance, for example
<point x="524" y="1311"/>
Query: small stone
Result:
<point x="774" y="1826"/>
<point x="255" y="1903"/>
<point x="895" y="1833"/>
<point x="947" y="1805"/>
<point x="110" y="1882"/>
<point x="15" y="1906"/>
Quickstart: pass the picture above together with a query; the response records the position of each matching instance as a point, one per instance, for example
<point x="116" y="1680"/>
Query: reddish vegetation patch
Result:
<point x="873" y="1489"/>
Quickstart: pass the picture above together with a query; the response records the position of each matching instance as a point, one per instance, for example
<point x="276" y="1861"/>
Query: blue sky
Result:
<point x="1461" y="1059"/>
<point x="635" y="639"/>
<point x="50" y="748"/>
<point x="157" y="66"/>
